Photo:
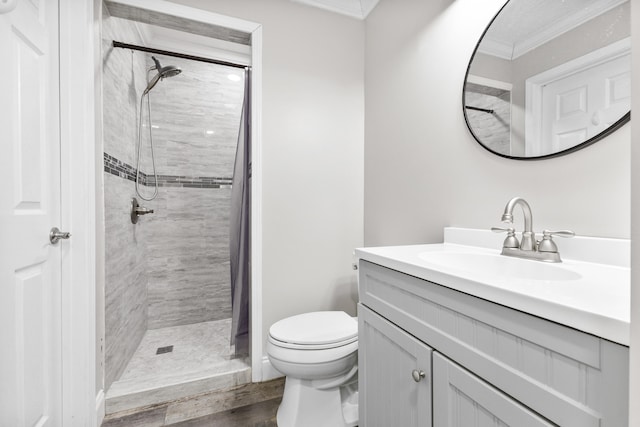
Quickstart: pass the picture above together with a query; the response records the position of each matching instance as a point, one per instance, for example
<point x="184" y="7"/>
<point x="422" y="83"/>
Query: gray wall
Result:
<point x="424" y="171"/>
<point x="125" y="252"/>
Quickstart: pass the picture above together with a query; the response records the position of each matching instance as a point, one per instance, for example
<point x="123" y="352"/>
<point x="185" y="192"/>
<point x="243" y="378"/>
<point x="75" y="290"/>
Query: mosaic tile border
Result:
<point x="117" y="167"/>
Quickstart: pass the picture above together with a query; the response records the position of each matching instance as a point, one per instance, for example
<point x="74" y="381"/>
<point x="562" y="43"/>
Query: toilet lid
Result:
<point x="320" y="327"/>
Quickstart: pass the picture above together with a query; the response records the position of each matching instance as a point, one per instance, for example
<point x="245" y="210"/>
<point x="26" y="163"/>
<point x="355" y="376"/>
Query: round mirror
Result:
<point x="549" y="77"/>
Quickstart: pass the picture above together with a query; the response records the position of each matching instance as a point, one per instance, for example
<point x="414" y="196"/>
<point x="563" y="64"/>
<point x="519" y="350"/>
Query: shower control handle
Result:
<point x="137" y="211"/>
<point x="143" y="211"/>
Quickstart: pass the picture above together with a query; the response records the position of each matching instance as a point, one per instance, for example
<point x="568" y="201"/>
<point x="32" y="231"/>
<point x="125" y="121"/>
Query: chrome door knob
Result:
<point x="417" y="375"/>
<point x="55" y="235"/>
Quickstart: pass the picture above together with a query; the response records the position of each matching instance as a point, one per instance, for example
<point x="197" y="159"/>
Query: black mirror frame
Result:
<point x="618" y="124"/>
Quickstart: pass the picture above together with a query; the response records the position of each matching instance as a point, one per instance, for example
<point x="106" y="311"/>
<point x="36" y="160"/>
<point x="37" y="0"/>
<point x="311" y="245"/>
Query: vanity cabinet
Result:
<point x="461" y="399"/>
<point x="481" y="361"/>
<point x="388" y="360"/>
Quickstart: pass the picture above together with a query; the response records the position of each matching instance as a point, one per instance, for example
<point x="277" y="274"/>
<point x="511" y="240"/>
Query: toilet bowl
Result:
<point x="318" y="354"/>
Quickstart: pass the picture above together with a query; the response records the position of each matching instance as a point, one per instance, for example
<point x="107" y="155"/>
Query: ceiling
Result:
<point x="355" y="8"/>
<point x="532" y="23"/>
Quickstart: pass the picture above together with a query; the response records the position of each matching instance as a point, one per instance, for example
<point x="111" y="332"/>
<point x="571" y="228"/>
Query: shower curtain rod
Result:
<point x="484" y="110"/>
<point x="177" y="55"/>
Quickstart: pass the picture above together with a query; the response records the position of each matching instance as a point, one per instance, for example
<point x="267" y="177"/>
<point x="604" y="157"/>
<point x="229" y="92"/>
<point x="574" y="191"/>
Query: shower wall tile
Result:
<point x="178" y="23"/>
<point x="195" y="121"/>
<point x="125" y="252"/>
<point x="188" y="263"/>
<point x="124" y="170"/>
<point x="124" y="80"/>
<point x="172" y="268"/>
<point x="196" y="118"/>
<point x="494" y="129"/>
<point x="125" y="278"/>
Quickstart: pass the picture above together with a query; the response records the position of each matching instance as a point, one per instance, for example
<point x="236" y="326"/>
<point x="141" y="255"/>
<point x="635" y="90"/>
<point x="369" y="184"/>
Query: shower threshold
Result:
<point x="177" y="362"/>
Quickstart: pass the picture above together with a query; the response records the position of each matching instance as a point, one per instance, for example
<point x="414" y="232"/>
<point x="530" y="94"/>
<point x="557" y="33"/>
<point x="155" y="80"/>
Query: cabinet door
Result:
<point x="394" y="374"/>
<point x="460" y="399"/>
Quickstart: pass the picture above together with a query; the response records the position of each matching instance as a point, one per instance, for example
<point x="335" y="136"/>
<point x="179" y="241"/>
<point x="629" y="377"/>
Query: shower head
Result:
<point x="168" y="71"/>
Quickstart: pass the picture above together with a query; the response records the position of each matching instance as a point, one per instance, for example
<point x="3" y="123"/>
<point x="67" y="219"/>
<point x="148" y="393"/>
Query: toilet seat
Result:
<point x="310" y="356"/>
<point x="295" y="346"/>
<point x="315" y="330"/>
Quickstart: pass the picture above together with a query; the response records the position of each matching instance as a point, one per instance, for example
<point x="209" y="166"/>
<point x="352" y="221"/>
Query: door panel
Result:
<point x="387" y="357"/>
<point x="460" y="399"/>
<point x="30" y="351"/>
<point x="585" y="103"/>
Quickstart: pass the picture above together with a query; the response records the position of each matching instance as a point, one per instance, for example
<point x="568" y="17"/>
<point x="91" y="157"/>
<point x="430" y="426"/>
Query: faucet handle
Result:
<point x="561" y="233"/>
<point x="547" y="244"/>
<point x="511" y="241"/>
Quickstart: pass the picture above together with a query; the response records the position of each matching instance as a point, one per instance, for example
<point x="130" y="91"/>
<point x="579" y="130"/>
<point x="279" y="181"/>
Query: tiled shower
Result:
<point x="167" y="290"/>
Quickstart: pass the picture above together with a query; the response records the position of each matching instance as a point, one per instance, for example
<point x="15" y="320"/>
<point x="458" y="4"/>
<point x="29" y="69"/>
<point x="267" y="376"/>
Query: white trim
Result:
<point x="256" y="206"/>
<point x="255" y="29"/>
<point x="513" y="50"/>
<point x="574" y="20"/>
<point x="268" y="371"/>
<point x="471" y="78"/>
<point x="78" y="212"/>
<point x="191" y="13"/>
<point x="193" y="44"/>
<point x="534" y="87"/>
<point x="358" y="9"/>
<point x="98" y="185"/>
<point x="100" y="407"/>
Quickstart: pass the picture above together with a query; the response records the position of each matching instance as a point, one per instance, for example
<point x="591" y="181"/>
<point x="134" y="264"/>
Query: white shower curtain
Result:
<point x="240" y="239"/>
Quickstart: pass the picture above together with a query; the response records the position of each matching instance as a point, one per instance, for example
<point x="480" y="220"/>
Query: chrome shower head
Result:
<point x="168" y="71"/>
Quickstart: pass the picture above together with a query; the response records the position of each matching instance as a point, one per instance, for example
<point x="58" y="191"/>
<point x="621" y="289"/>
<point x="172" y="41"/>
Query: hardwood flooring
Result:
<point x="250" y="405"/>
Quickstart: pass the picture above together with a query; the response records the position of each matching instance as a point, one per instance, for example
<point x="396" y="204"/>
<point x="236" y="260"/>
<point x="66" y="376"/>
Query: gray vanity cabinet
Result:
<point x="460" y="399"/>
<point x="388" y="360"/>
<point x="480" y="360"/>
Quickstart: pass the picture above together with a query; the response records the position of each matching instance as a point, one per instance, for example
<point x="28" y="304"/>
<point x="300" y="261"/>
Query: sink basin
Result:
<point x="498" y="266"/>
<point x="588" y="291"/>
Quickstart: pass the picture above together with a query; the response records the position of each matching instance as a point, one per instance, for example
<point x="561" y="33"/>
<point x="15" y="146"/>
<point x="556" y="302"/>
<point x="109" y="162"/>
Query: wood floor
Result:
<point x="250" y="405"/>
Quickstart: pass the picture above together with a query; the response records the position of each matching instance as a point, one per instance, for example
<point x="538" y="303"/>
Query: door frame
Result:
<point x="77" y="201"/>
<point x="94" y="175"/>
<point x="534" y="87"/>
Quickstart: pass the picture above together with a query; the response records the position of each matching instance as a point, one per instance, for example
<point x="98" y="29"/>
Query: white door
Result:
<point x="30" y="330"/>
<point x="584" y="104"/>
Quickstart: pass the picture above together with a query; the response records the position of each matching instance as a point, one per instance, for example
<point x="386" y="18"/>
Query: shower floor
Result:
<point x="177" y="362"/>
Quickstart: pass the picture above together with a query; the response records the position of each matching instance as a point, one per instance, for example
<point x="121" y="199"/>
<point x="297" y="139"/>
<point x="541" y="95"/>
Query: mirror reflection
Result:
<point x="549" y="77"/>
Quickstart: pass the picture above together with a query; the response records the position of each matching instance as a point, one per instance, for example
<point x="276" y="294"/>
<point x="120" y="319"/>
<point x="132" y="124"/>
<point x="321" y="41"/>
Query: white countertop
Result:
<point x="597" y="303"/>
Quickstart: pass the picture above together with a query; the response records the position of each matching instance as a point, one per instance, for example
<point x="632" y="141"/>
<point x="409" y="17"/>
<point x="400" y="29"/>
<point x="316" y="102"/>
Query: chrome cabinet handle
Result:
<point x="55" y="235"/>
<point x="417" y="375"/>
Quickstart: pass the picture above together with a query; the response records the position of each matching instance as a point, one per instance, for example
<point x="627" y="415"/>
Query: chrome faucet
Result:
<point x="528" y="247"/>
<point x="528" y="242"/>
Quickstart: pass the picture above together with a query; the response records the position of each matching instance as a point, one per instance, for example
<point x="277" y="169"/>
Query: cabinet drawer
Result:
<point x="571" y="378"/>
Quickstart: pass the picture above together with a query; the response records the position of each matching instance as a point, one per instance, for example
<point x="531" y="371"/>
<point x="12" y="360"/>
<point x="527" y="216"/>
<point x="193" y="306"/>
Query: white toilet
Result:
<point x="318" y="353"/>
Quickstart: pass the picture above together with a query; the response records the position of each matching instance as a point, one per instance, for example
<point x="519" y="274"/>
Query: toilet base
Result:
<point x="305" y="405"/>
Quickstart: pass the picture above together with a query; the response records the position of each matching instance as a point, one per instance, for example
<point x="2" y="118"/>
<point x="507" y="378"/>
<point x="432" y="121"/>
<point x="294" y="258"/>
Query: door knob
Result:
<point x="56" y="235"/>
<point x="417" y="375"/>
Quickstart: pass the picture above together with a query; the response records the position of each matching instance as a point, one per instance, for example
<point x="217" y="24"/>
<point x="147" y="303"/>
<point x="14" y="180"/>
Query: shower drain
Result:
<point x="162" y="350"/>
